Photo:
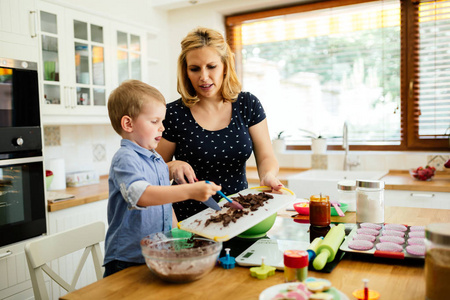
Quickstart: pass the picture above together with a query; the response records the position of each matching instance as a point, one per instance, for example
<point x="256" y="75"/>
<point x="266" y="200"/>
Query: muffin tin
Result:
<point x="379" y="253"/>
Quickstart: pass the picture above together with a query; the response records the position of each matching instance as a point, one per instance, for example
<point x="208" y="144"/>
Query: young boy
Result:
<point x="140" y="194"/>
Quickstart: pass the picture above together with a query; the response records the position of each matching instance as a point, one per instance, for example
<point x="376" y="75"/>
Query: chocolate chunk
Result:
<point x="250" y="202"/>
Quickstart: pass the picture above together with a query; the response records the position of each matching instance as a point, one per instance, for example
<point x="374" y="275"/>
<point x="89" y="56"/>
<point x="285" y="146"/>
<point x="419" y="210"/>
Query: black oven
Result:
<point x="22" y="192"/>
<point x="22" y="202"/>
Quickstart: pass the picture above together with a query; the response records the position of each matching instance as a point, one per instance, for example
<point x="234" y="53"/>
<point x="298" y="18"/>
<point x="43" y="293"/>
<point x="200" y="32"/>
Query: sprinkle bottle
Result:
<point x="295" y="265"/>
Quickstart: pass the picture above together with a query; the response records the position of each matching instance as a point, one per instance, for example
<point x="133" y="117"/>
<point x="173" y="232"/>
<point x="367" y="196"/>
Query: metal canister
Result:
<point x="437" y="261"/>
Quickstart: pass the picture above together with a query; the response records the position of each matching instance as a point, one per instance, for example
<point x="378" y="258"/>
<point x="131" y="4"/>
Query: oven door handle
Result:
<point x="7" y="253"/>
<point x="17" y="161"/>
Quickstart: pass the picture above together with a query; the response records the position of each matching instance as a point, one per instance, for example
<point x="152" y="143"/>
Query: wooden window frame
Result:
<point x="410" y="140"/>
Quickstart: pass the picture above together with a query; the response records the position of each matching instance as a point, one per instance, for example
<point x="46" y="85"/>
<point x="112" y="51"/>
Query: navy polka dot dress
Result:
<point x="219" y="156"/>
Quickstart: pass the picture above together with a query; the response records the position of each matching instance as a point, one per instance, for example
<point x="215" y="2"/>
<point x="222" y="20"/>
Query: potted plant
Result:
<point x="318" y="142"/>
<point x="278" y="143"/>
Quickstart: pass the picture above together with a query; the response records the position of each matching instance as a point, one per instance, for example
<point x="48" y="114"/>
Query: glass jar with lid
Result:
<point x="370" y="201"/>
<point x="347" y="193"/>
<point x="319" y="210"/>
<point x="437" y="261"/>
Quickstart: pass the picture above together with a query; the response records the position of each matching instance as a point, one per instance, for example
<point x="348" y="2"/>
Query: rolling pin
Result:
<point x="329" y="246"/>
<point x="312" y="249"/>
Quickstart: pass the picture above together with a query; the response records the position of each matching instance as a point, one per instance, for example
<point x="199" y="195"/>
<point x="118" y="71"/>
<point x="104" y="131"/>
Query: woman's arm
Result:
<point x="166" y="149"/>
<point x="266" y="161"/>
<point x="174" y="220"/>
<point x="179" y="171"/>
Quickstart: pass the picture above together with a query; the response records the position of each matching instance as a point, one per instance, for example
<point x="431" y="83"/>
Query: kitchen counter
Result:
<point x="394" y="279"/>
<point x="402" y="180"/>
<point x="395" y="180"/>
<point x="83" y="195"/>
<point x="283" y="174"/>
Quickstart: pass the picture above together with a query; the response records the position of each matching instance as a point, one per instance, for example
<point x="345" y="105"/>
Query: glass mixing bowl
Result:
<point x="178" y="256"/>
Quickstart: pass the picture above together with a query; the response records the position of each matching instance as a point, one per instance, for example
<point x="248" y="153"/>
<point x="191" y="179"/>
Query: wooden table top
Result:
<point x="394" y="279"/>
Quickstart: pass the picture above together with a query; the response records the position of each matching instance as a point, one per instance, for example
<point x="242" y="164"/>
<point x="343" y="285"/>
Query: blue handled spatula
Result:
<point x="233" y="204"/>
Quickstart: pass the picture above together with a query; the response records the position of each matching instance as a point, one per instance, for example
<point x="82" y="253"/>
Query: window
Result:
<point x="316" y="66"/>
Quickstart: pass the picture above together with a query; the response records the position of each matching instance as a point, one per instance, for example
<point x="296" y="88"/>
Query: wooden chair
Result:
<point x="42" y="251"/>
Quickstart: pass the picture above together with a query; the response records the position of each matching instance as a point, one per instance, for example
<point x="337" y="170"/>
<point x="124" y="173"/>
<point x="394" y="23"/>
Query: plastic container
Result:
<point x="347" y="193"/>
<point x="295" y="265"/>
<point x="437" y="261"/>
<point x="370" y="201"/>
<point x="319" y="210"/>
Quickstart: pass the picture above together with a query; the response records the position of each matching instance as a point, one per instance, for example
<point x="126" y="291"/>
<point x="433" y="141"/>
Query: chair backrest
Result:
<point x="42" y="251"/>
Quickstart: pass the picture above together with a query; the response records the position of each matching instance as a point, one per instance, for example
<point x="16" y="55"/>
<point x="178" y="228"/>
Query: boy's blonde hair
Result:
<point x="205" y="37"/>
<point x="127" y="100"/>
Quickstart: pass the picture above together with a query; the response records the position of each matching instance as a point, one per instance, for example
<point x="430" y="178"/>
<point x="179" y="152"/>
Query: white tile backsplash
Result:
<point x="80" y="145"/>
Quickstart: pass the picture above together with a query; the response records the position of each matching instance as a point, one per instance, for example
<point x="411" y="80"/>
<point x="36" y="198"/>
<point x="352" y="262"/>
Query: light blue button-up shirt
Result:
<point x="133" y="168"/>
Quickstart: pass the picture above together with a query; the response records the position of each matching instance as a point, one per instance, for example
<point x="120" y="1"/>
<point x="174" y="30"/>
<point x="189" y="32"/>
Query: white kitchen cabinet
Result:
<point x="18" y="30"/>
<point x="419" y="199"/>
<point x="75" y="65"/>
<point x="129" y="46"/>
<point x="15" y="280"/>
<point x="84" y="56"/>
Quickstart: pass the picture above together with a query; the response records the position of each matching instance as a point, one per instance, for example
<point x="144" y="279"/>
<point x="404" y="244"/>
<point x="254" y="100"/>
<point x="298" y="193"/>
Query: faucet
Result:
<point x="347" y="163"/>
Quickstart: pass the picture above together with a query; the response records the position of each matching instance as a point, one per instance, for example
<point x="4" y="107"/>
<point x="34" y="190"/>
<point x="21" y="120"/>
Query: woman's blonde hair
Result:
<point x="127" y="100"/>
<point x="205" y="37"/>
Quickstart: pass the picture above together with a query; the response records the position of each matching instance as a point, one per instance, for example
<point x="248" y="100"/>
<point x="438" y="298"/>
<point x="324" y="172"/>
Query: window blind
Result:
<point x="432" y="82"/>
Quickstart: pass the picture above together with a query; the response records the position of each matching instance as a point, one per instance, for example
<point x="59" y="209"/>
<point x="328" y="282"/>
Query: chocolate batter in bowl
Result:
<point x="179" y="259"/>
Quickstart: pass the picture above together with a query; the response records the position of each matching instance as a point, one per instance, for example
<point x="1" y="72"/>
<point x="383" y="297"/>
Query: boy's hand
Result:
<point x="202" y="191"/>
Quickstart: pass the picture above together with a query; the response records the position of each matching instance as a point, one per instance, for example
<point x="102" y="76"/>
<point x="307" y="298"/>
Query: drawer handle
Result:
<point x="422" y="195"/>
<point x="7" y="253"/>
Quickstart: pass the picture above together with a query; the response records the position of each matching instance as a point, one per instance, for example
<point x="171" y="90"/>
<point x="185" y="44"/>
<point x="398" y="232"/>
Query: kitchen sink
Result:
<point x="314" y="182"/>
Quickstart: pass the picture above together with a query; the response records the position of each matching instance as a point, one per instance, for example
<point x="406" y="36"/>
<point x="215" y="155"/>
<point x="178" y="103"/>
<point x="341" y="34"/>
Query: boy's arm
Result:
<point x="158" y="195"/>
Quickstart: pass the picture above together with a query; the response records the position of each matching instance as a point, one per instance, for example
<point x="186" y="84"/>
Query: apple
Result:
<point x="447" y="164"/>
<point x="48" y="173"/>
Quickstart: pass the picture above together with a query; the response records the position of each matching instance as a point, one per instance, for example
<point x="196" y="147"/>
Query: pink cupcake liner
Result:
<point x="391" y="247"/>
<point x="392" y="239"/>
<point x="416" y="249"/>
<point x="417" y="228"/>
<point x="370" y="226"/>
<point x="367" y="231"/>
<point x="397" y="227"/>
<point x="416" y="234"/>
<point x="364" y="237"/>
<point x="393" y="232"/>
<point x="416" y="241"/>
<point x="360" y="245"/>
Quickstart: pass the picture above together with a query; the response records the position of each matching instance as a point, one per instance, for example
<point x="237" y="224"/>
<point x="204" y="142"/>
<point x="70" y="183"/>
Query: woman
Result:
<point x="214" y="127"/>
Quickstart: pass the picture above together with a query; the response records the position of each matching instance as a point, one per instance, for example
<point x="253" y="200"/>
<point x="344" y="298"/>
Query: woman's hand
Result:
<point x="272" y="181"/>
<point x="181" y="172"/>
